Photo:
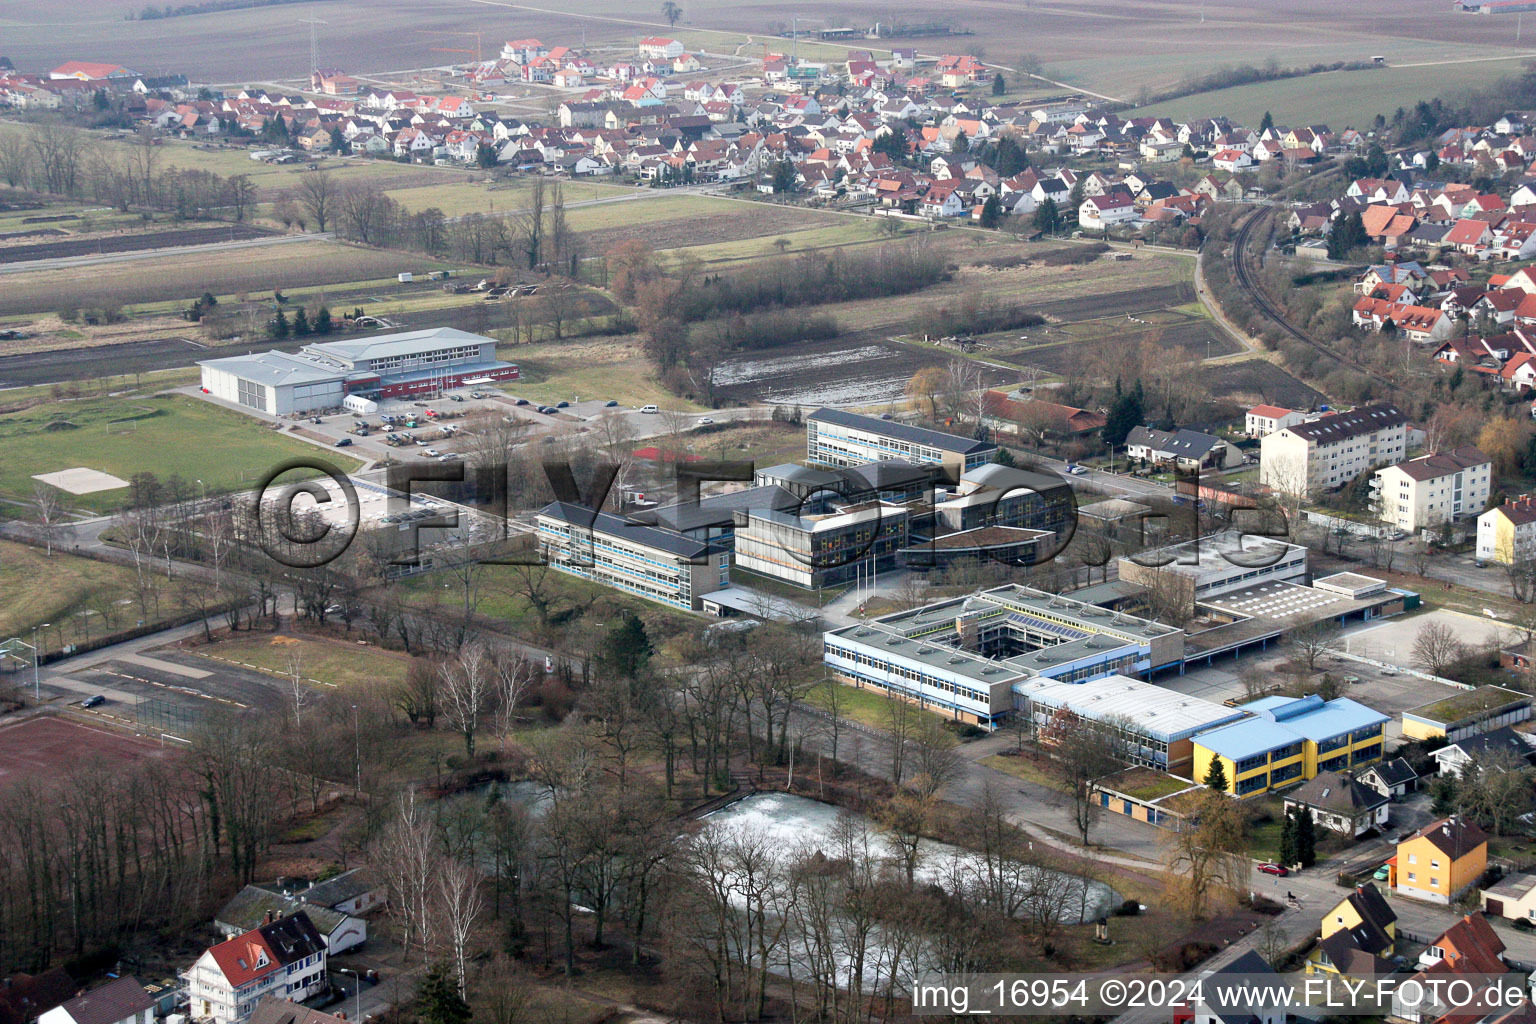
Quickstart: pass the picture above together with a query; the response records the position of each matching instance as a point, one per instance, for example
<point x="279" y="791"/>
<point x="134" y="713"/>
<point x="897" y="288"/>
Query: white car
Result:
<point x="705" y="420"/>
<point x="431" y="453"/>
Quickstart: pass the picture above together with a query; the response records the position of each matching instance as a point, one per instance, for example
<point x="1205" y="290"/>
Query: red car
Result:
<point x="1274" y="869"/>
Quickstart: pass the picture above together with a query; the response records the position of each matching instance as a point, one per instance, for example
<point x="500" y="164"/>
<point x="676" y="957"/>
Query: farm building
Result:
<point x="323" y="375"/>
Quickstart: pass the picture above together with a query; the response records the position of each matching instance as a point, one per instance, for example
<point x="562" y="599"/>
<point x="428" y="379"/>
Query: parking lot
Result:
<point x="169" y="691"/>
<point x="450" y="417"/>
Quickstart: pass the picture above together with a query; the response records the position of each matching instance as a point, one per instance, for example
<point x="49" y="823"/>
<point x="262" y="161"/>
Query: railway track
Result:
<point x="1242" y="274"/>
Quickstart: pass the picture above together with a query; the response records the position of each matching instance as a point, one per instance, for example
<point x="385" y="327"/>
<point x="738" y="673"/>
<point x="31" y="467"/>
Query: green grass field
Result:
<point x="851" y="232"/>
<point x="1337" y="99"/>
<point x="333" y="662"/>
<point x="456" y="198"/>
<point x="186" y="438"/>
<point x="80" y="598"/>
<point x="601" y="368"/>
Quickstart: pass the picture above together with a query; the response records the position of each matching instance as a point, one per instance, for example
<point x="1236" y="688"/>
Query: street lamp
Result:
<point x="1111" y="457"/>
<point x="36" y="687"/>
<point x="357" y="757"/>
<point x="357" y="992"/>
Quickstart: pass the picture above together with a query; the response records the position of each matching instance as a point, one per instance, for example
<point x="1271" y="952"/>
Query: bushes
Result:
<point x="1074" y="256"/>
<point x="811" y="280"/>
<point x="975" y="314"/>
<point x="769" y="329"/>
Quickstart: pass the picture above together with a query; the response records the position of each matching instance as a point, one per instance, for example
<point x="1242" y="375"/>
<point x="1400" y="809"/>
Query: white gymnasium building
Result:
<point x="321" y="375"/>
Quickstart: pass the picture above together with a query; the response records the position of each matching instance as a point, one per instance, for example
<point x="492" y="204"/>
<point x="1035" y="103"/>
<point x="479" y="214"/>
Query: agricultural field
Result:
<point x="320" y="661"/>
<point x="173" y="436"/>
<point x="178" y="278"/>
<point x="736" y="230"/>
<point x="1339" y="97"/>
<point x="457" y="198"/>
<point x="63" y="246"/>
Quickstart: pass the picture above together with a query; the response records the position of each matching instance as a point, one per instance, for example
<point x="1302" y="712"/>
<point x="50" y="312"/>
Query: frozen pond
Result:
<point x="799" y="822"/>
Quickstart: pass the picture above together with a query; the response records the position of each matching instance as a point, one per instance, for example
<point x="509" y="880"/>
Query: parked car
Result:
<point x="345" y="442"/>
<point x="91" y="702"/>
<point x="1382" y="873"/>
<point x="1273" y="869"/>
<point x="431" y="453"/>
<point x="562" y="405"/>
<point x="650" y="408"/>
<point x="522" y="401"/>
<point x="610" y="404"/>
<point x="705" y="421"/>
<point x="477" y="394"/>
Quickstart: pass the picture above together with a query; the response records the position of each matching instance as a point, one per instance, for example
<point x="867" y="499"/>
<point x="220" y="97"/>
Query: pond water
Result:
<point x="797" y="821"/>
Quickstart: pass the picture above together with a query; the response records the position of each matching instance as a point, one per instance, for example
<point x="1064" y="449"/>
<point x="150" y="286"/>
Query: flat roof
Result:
<point x="902" y="431"/>
<point x="1113" y="508"/>
<point x="755" y="602"/>
<point x="615" y="526"/>
<point x="1471" y="704"/>
<point x="380" y="346"/>
<point x="1278" y="721"/>
<point x="985" y="671"/>
<point x="1159" y="712"/>
<point x="276" y="368"/>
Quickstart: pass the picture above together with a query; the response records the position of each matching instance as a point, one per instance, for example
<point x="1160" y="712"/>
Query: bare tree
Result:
<point x="461" y="901"/>
<point x="1208" y="857"/>
<point x="293" y="668"/>
<point x="676" y="421"/>
<point x="468" y="683"/>
<point x="1314" y="640"/>
<point x="49" y="512"/>
<point x="515" y="676"/>
<point x="1082" y="752"/>
<point x="1436" y="647"/>
<point x="317" y="194"/>
<point x="405" y="856"/>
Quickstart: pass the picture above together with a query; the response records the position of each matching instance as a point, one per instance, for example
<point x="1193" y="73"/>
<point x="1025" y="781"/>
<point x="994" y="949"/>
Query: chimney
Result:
<point x="268" y="918"/>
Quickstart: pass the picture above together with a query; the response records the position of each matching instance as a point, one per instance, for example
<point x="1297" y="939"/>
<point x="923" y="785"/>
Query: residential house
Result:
<point x="1332" y="450"/>
<point x="120" y="1001"/>
<point x="1507" y="532"/>
<point x="1439" y="861"/>
<point x="1393" y="779"/>
<point x="1098" y="213"/>
<point x="1340" y="803"/>
<point x="284" y="957"/>
<point x="1496" y="746"/>
<point x="1442" y="487"/>
<point x="1357" y="936"/>
<point x="1022" y="413"/>
<point x="1240" y="1001"/>
<point x="254" y="905"/>
<point x="1470" y="947"/>
<point x="1512" y="898"/>
<point x="1266" y="419"/>
<point x="1186" y="449"/>
<point x="275" y="1010"/>
<point x="660" y="48"/>
<point x="352" y="892"/>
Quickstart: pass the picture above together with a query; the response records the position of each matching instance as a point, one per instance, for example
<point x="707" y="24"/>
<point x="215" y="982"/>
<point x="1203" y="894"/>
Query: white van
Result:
<point x="649" y="408"/>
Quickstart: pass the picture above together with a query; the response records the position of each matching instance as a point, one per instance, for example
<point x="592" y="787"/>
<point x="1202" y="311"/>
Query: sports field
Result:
<point x="47" y="747"/>
<point x="168" y="435"/>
